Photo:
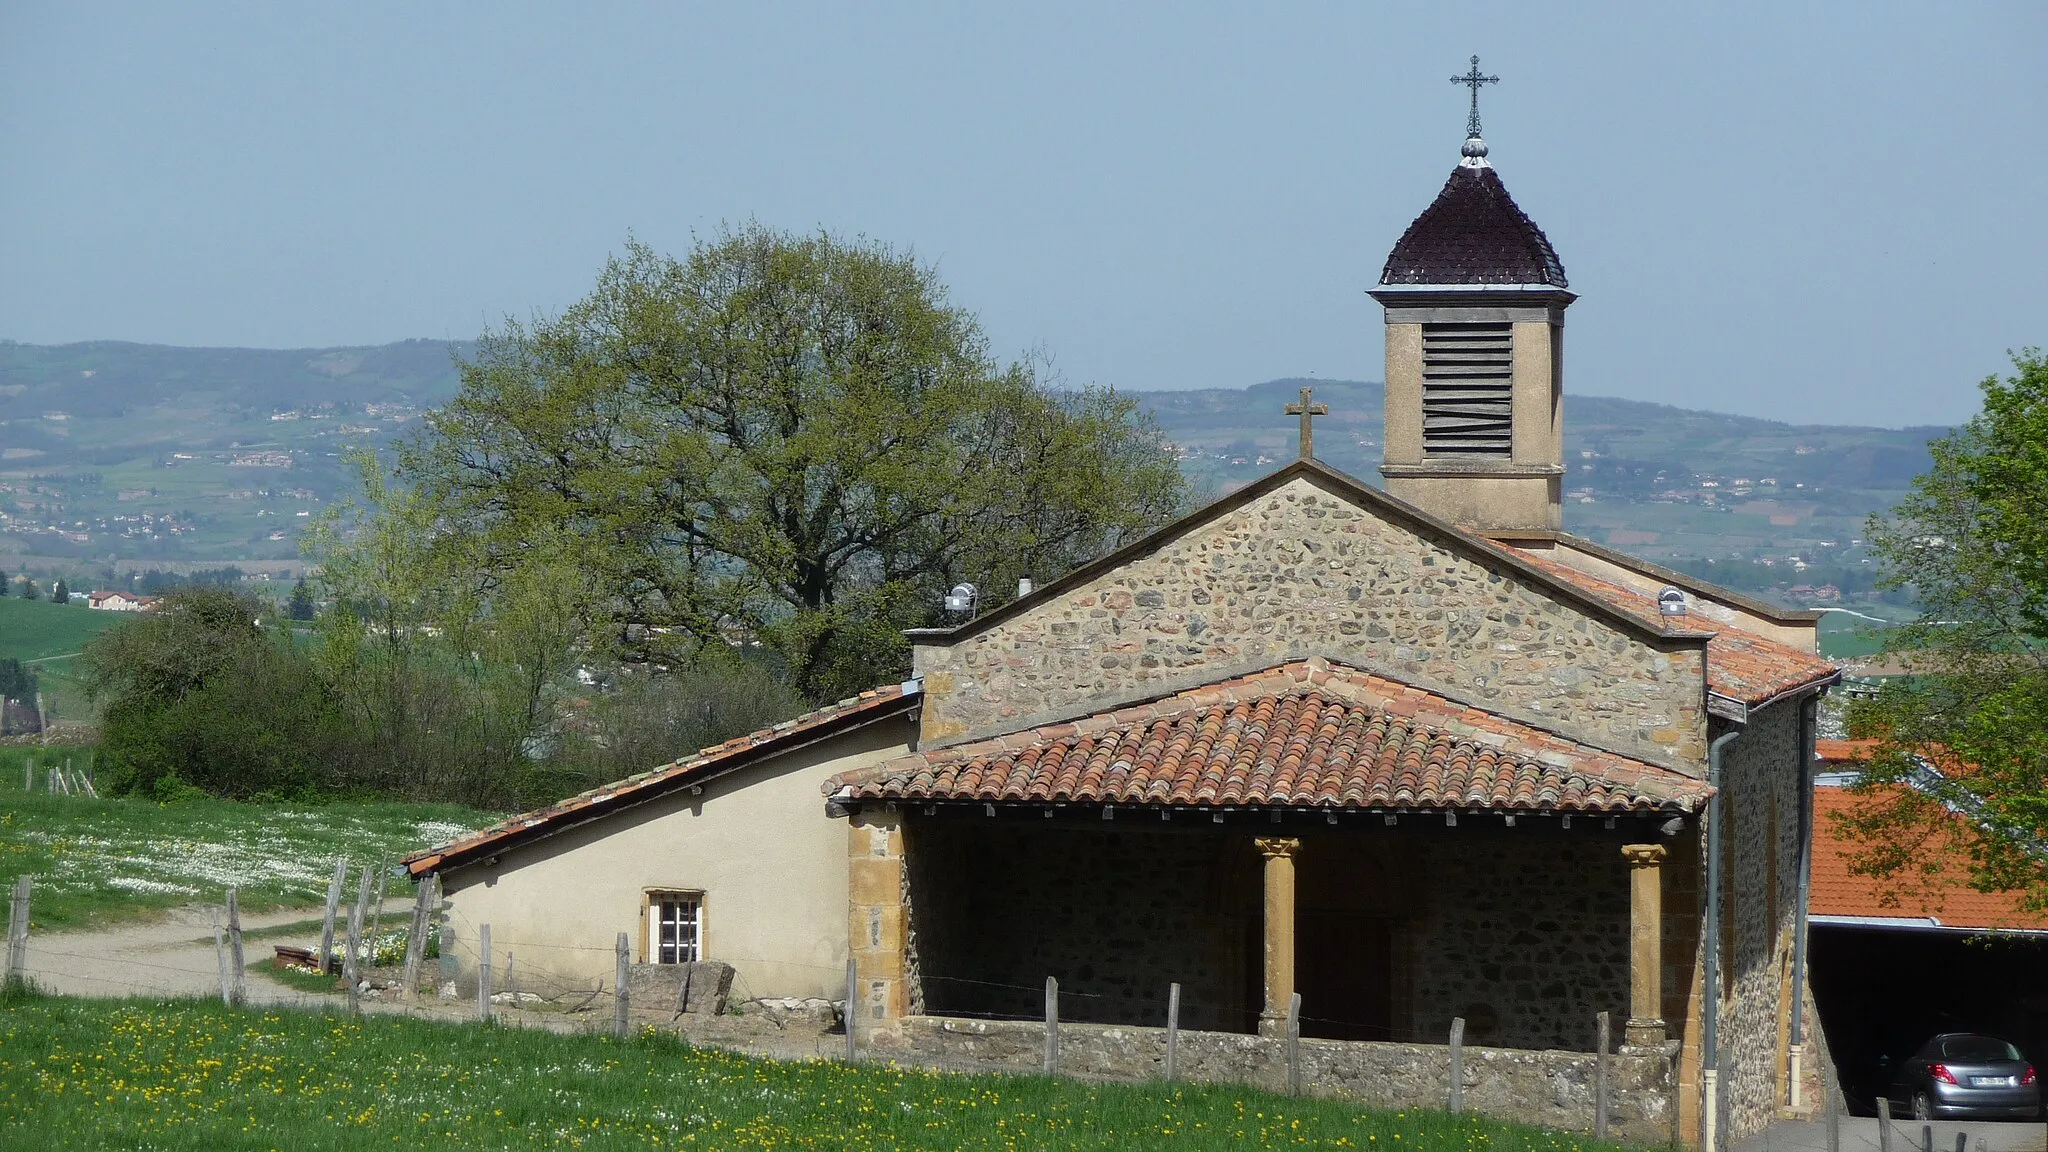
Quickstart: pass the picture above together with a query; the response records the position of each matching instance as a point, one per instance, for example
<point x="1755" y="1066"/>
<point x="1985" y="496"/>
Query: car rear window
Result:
<point x="1978" y="1048"/>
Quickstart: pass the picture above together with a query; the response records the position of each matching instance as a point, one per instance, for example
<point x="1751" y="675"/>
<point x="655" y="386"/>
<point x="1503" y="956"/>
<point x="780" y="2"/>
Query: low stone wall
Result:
<point x="1553" y="1089"/>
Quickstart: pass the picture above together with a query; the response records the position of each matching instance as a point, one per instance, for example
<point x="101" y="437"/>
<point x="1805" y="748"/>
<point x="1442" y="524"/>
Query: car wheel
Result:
<point x="1923" y="1106"/>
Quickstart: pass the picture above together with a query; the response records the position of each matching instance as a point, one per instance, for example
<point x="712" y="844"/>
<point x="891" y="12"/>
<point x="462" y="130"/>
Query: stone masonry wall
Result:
<point x="1760" y="780"/>
<point x="1302" y="571"/>
<point x="1553" y="1089"/>
<point x="1528" y="930"/>
<point x="1115" y="914"/>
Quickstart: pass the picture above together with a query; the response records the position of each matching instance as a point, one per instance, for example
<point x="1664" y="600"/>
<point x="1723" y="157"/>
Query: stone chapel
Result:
<point x="1360" y="762"/>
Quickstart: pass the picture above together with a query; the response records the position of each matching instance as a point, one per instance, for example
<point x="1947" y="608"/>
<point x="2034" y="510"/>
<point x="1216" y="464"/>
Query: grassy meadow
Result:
<point x="190" y="1074"/>
<point x="98" y="861"/>
<point x="50" y="636"/>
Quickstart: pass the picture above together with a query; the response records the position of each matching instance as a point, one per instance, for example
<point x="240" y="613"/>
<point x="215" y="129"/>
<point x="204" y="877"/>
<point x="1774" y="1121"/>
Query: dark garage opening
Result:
<point x="1882" y="991"/>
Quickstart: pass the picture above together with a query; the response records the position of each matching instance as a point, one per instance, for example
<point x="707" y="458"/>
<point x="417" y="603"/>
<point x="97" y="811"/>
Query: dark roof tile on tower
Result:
<point x="1473" y="234"/>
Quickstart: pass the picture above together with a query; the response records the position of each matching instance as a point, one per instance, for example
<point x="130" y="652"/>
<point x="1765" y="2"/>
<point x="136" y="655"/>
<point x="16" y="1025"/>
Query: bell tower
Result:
<point x="1475" y="298"/>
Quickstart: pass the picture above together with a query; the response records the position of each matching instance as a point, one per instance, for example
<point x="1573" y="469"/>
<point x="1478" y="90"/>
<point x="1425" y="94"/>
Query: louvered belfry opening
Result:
<point x="1467" y="389"/>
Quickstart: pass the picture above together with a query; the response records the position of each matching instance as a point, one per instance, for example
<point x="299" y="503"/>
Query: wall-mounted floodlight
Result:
<point x="1671" y="602"/>
<point x="962" y="598"/>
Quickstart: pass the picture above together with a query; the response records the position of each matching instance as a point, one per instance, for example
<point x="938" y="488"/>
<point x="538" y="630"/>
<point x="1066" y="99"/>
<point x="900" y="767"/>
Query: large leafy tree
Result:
<point x="795" y="439"/>
<point x="1967" y="731"/>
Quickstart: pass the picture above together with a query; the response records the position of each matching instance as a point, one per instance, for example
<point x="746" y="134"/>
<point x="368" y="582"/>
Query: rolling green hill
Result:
<point x="132" y="455"/>
<point x="33" y="630"/>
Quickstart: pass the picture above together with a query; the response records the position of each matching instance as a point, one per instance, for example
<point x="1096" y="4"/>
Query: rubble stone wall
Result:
<point x="1549" y="1088"/>
<point x="1303" y="571"/>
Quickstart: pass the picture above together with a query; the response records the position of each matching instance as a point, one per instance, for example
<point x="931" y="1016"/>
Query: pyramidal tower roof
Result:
<point x="1474" y="233"/>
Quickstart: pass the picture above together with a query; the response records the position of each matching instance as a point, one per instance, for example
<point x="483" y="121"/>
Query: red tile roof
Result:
<point x="1741" y="665"/>
<point x="874" y="704"/>
<point x="1308" y="733"/>
<point x="1941" y="896"/>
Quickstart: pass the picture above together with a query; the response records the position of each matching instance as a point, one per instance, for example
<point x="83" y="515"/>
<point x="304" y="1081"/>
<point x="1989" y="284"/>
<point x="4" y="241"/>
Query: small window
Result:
<point x="675" y="927"/>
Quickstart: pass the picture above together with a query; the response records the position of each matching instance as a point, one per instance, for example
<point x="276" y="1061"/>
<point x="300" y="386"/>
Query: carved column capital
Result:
<point x="1644" y="855"/>
<point x="1281" y="847"/>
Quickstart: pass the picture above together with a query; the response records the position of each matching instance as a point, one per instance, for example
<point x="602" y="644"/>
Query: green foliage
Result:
<point x="1970" y="727"/>
<point x="61" y="594"/>
<point x="795" y="438"/>
<point x="29" y="591"/>
<point x="200" y="692"/>
<point x="300" y="606"/>
<point x="178" y="1075"/>
<point x="16" y="681"/>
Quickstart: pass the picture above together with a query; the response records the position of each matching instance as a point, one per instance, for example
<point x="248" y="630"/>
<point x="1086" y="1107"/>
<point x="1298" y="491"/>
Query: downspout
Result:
<point x="1710" y="1011"/>
<point x="1807" y="726"/>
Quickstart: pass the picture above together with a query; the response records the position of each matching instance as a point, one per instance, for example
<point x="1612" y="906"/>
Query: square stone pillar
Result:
<point x="1645" y="1026"/>
<point x="1279" y="930"/>
<point x="875" y="930"/>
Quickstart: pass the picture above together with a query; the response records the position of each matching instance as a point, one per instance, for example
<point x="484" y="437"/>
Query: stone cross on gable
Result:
<point x="1307" y="411"/>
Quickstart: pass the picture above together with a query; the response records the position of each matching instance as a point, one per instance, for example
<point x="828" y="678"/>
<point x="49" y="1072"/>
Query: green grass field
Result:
<point x="50" y="636"/>
<point x="1844" y="637"/>
<point x="175" y="1075"/>
<point x="97" y="861"/>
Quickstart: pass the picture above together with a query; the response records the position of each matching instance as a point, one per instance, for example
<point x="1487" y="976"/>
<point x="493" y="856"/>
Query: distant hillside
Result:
<point x="150" y="454"/>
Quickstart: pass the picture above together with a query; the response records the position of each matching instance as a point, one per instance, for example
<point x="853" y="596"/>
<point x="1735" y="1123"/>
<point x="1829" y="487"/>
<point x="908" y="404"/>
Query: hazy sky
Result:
<point x="1810" y="213"/>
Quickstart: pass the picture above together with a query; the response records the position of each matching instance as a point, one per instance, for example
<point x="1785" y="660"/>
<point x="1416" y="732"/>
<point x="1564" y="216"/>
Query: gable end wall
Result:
<point x="1302" y="572"/>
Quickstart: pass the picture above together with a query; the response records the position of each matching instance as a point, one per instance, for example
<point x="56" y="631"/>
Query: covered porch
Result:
<point x="1397" y="859"/>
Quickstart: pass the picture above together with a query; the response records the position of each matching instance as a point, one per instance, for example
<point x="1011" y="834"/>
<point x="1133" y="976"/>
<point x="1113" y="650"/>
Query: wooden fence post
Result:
<point x="1827" y="1101"/>
<point x="17" y="933"/>
<point x="239" y="991"/>
<point x="622" y="1002"/>
<point x="1052" y="1026"/>
<point x="352" y="963"/>
<point x="1172" y="1027"/>
<point x="28" y="775"/>
<point x="852" y="1010"/>
<point x="1884" y="1124"/>
<point x="327" y="922"/>
<point x="377" y="917"/>
<point x="1600" y="1078"/>
<point x="416" y="941"/>
<point x="1457" y="1064"/>
<point x="512" y="978"/>
<point x="220" y="961"/>
<point x="483" y="973"/>
<point x="1294" y="1045"/>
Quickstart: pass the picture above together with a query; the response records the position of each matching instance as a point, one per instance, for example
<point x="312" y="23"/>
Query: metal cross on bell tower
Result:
<point x="1472" y="79"/>
<point x="1307" y="411"/>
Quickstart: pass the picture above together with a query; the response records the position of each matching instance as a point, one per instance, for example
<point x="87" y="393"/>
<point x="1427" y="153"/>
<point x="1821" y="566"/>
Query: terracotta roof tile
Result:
<point x="1741" y="665"/>
<point x="677" y="773"/>
<point x="1301" y="734"/>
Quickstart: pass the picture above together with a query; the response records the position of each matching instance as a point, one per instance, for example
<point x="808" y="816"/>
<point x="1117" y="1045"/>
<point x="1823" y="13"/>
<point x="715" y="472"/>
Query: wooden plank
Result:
<point x="1600" y="1076"/>
<point x="1294" y="1045"/>
<point x="17" y="932"/>
<point x="352" y="962"/>
<point x="1172" y="1028"/>
<point x="483" y="973"/>
<point x="327" y="921"/>
<point x="1457" y="1096"/>
<point x="852" y="1012"/>
<point x="1052" y="1026"/>
<point x="416" y="940"/>
<point x="621" y="998"/>
<point x="238" y="988"/>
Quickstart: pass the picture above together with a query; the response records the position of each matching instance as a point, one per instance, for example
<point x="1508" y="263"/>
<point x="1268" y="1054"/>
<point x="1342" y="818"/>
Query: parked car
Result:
<point x="1964" y="1076"/>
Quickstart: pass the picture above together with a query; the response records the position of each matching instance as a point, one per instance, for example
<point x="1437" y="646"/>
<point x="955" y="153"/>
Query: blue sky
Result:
<point x="1813" y="213"/>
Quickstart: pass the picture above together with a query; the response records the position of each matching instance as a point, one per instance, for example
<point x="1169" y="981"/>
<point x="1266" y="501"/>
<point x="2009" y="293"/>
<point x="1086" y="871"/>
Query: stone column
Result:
<point x="875" y="928"/>
<point x="1279" y="853"/>
<point x="1646" y="944"/>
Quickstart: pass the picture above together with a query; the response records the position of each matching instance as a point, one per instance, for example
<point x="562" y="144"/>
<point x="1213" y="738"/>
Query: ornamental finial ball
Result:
<point x="1474" y="149"/>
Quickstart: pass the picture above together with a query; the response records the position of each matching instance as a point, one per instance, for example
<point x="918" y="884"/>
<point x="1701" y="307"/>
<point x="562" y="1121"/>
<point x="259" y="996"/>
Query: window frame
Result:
<point x="651" y="901"/>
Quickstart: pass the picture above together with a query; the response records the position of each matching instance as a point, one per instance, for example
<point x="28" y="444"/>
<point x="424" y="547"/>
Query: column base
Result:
<point x="1643" y="1033"/>
<point x="1273" y="1025"/>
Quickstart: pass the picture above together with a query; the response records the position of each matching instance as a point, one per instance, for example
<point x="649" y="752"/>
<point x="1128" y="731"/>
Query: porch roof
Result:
<point x="1308" y="734"/>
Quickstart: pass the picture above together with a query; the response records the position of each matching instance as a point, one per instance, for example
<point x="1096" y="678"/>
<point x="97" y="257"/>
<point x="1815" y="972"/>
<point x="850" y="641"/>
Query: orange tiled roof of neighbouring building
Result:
<point x="1307" y="733"/>
<point x="1942" y="898"/>
<point x="1740" y="665"/>
<point x="872" y="704"/>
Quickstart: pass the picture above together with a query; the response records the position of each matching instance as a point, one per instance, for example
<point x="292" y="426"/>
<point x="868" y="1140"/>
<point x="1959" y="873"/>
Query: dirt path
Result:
<point x="172" y="956"/>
